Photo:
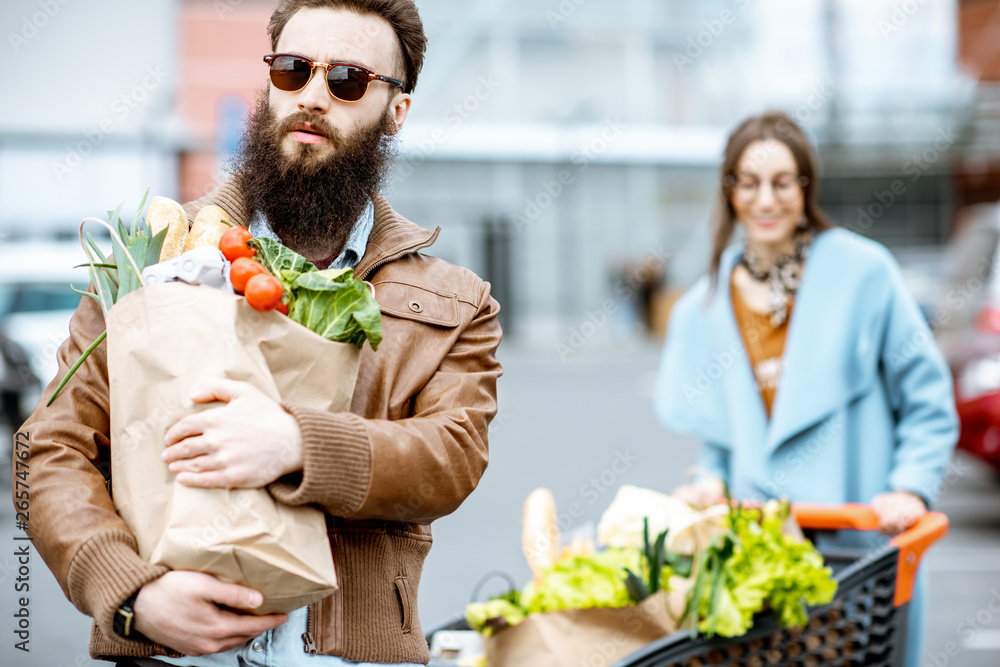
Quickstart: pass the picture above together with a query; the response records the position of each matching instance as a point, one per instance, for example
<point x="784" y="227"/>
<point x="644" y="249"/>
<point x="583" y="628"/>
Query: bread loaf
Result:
<point x="165" y="213"/>
<point x="209" y="226"/>
<point x="540" y="536"/>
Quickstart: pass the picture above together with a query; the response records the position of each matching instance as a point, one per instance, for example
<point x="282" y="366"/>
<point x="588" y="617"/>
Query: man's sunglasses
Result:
<point x="346" y="82"/>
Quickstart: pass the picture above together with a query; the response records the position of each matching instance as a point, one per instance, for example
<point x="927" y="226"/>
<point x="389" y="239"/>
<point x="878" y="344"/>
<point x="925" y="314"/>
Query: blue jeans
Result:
<point x="281" y="647"/>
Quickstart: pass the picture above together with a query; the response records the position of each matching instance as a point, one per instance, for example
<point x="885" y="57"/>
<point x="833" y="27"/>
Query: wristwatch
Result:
<point x="124" y="624"/>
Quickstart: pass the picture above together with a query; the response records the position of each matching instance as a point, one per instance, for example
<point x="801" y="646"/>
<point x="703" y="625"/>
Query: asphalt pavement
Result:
<point x="581" y="427"/>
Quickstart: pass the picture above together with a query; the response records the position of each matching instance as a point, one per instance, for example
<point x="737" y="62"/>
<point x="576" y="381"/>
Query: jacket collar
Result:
<point x="392" y="236"/>
<point x="817" y="352"/>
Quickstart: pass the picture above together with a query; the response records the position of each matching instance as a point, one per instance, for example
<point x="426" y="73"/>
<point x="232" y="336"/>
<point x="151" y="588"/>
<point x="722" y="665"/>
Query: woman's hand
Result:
<point x="898" y="510"/>
<point x="704" y="492"/>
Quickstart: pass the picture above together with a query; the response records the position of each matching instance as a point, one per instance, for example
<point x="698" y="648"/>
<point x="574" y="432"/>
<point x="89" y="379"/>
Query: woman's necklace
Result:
<point x="782" y="276"/>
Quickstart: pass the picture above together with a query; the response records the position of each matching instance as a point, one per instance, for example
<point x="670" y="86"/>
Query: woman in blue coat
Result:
<point x="801" y="360"/>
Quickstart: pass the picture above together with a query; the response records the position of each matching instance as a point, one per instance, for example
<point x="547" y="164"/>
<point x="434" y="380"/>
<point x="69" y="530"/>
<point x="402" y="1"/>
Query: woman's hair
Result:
<point x="400" y="14"/>
<point x="770" y="125"/>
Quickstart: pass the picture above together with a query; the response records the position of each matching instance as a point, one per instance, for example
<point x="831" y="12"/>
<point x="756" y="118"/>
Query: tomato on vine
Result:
<point x="235" y="243"/>
<point x="242" y="270"/>
<point x="264" y="292"/>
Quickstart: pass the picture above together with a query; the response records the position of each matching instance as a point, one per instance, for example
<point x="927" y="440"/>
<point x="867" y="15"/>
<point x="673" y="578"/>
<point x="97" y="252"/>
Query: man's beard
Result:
<point x="312" y="199"/>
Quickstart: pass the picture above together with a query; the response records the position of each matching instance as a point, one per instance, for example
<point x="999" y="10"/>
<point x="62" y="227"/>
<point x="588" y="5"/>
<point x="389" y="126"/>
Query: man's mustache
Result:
<point x="311" y="122"/>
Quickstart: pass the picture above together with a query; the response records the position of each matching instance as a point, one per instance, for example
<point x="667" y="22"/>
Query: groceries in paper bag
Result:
<point x="175" y="323"/>
<point x="662" y="567"/>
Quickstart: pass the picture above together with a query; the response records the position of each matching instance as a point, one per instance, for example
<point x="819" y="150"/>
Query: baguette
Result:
<point x="165" y="213"/>
<point x="209" y="226"/>
<point x="540" y="532"/>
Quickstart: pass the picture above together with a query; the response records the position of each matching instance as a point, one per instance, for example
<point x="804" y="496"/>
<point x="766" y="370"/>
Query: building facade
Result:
<point x="569" y="148"/>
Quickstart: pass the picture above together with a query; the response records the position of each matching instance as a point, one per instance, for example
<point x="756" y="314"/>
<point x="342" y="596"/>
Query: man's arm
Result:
<point x="415" y="469"/>
<point x="75" y="527"/>
<point x="88" y="547"/>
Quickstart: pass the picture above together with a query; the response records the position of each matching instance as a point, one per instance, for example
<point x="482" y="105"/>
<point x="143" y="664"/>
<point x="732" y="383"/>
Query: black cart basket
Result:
<point x="865" y="623"/>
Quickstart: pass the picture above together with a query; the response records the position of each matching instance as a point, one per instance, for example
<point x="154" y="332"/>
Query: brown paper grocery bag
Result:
<point x="166" y="340"/>
<point x="575" y="637"/>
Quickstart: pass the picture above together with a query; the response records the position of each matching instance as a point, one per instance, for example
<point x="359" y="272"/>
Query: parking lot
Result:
<point x="581" y="428"/>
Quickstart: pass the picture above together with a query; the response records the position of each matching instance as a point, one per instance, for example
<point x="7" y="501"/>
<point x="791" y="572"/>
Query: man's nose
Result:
<point x="315" y="97"/>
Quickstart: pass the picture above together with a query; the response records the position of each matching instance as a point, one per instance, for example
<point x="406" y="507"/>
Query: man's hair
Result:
<point x="400" y="14"/>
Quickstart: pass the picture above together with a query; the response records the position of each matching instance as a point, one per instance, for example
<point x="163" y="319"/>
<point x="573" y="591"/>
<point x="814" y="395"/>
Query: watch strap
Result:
<point x="124" y="622"/>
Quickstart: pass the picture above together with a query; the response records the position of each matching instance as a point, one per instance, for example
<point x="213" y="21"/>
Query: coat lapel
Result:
<point x="743" y="399"/>
<point x="819" y="350"/>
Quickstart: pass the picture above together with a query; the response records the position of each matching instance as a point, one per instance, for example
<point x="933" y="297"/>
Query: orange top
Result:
<point x="764" y="343"/>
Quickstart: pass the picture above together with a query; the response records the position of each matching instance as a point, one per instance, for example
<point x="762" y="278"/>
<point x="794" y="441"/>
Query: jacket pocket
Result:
<point x="420" y="304"/>
<point x="403" y="593"/>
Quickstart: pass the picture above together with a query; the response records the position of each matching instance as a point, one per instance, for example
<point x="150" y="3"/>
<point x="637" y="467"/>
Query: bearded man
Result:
<point x="411" y="448"/>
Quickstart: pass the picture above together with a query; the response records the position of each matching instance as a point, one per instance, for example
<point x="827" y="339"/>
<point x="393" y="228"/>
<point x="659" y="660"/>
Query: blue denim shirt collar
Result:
<point x="353" y="250"/>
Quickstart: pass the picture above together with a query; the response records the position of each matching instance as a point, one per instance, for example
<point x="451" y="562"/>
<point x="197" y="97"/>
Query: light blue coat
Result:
<point x="865" y="401"/>
<point x="864" y="404"/>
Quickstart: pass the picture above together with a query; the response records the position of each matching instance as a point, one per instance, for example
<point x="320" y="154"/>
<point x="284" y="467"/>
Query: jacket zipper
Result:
<point x="400" y="255"/>
<point x="307" y="636"/>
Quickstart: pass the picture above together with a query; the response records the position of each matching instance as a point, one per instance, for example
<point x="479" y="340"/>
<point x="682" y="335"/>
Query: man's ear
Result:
<point x="399" y="107"/>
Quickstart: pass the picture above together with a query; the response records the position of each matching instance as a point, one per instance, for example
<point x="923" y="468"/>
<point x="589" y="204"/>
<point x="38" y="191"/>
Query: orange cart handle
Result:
<point x="912" y="543"/>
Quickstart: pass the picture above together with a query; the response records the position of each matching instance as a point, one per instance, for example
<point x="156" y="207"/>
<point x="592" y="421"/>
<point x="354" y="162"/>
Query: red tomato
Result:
<point x="264" y="292"/>
<point x="242" y="270"/>
<point x="233" y="244"/>
<point x="282" y="308"/>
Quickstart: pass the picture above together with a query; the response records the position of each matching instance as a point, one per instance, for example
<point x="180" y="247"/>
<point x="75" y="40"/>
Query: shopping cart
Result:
<point x="865" y="623"/>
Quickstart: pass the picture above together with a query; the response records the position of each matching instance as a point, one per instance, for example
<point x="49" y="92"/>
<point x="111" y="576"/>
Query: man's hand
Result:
<point x="898" y="510"/>
<point x="179" y="610"/>
<point x="245" y="444"/>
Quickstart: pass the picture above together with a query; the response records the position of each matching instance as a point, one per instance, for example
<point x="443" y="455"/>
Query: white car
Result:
<point x="37" y="302"/>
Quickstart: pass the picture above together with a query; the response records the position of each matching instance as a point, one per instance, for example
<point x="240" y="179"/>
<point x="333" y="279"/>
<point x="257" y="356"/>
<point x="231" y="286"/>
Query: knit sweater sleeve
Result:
<point x="414" y="469"/>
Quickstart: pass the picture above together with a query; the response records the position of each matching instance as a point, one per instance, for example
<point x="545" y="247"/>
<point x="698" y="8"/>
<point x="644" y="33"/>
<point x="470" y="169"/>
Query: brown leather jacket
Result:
<point x="411" y="449"/>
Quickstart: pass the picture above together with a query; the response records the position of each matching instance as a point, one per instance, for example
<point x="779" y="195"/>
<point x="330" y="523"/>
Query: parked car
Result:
<point x="36" y="304"/>
<point x="923" y="269"/>
<point x="17" y="380"/>
<point x="966" y="321"/>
